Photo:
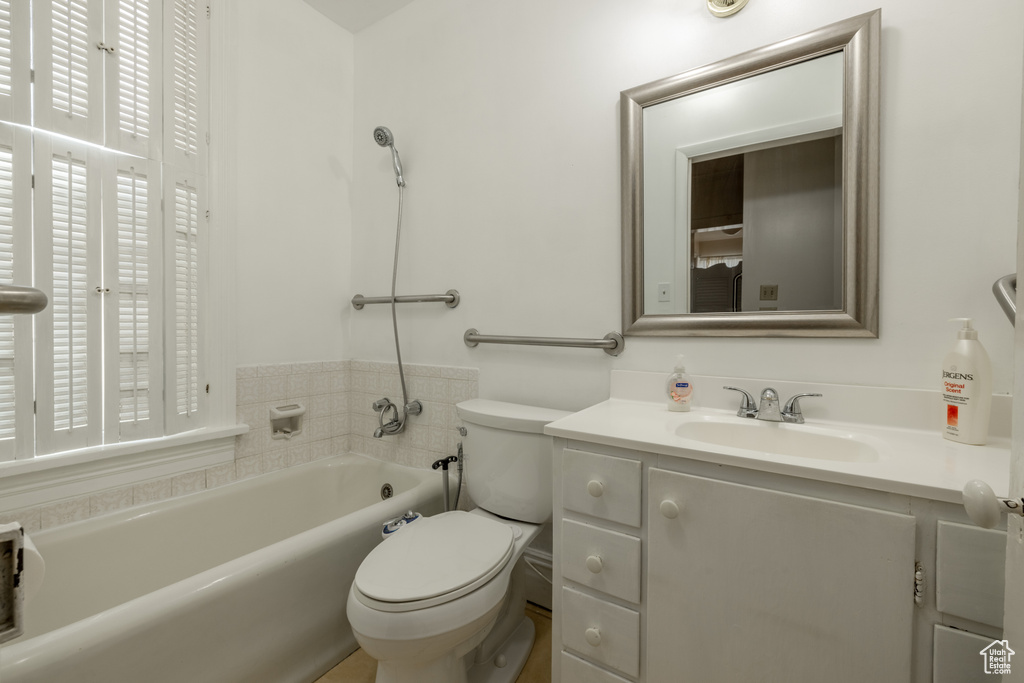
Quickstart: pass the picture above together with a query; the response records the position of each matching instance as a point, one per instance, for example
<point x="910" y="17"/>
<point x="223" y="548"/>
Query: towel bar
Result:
<point x="15" y="299"/>
<point x="612" y="343"/>
<point x="449" y="298"/>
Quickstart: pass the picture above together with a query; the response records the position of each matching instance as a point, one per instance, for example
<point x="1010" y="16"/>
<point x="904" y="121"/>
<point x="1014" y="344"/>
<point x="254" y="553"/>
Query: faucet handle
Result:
<point x="747" y="407"/>
<point x="791" y="411"/>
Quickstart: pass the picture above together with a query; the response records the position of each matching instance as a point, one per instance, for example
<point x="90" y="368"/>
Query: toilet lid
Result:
<point x="435" y="556"/>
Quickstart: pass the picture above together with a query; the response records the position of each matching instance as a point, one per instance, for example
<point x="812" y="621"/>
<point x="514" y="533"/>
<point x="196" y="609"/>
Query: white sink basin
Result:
<point x="778" y="438"/>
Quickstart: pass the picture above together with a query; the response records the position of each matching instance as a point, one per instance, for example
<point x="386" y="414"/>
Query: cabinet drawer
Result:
<point x="576" y="670"/>
<point x="601" y="631"/>
<point x="602" y="486"/>
<point x="969" y="566"/>
<point x="604" y="560"/>
<point x="957" y="658"/>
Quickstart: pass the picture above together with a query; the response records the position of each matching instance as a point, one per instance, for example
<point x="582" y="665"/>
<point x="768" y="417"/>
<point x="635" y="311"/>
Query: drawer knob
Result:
<point x="595" y="488"/>
<point x="595" y="564"/>
<point x="669" y="509"/>
<point x="593" y="636"/>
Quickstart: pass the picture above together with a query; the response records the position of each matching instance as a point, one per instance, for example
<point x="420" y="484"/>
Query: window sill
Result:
<point x="49" y="478"/>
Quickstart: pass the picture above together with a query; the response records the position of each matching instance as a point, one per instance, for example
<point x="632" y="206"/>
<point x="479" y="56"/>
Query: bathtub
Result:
<point x="246" y="582"/>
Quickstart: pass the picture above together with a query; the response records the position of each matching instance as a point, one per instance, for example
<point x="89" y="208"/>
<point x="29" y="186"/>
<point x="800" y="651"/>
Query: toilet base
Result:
<point x="511" y="657"/>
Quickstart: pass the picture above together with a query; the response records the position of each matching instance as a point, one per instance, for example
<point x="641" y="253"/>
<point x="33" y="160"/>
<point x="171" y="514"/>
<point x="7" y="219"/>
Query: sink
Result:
<point x="800" y="441"/>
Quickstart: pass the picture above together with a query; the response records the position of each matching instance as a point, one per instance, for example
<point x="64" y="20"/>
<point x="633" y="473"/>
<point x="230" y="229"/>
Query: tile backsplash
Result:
<point x="339" y="419"/>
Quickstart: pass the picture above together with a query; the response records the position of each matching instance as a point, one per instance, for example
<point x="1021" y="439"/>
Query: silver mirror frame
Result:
<point x="858" y="38"/>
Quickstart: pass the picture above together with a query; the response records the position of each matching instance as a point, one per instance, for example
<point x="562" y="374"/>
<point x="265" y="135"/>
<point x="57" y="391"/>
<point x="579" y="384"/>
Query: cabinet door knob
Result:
<point x="669" y="509"/>
<point x="595" y="564"/>
<point x="595" y="488"/>
<point x="984" y="508"/>
<point x="593" y="636"/>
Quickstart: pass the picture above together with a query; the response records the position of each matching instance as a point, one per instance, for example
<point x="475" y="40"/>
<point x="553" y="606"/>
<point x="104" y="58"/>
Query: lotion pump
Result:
<point x="680" y="388"/>
<point x="967" y="388"/>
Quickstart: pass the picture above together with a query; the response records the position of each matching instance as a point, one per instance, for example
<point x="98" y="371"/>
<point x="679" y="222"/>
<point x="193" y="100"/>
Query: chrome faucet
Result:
<point x="768" y="409"/>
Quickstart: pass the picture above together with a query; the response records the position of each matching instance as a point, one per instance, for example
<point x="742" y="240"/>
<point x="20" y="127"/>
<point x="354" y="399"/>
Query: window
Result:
<point x="103" y="119"/>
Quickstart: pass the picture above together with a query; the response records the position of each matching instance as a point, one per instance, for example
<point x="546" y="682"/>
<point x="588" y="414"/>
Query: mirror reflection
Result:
<point x="743" y="194"/>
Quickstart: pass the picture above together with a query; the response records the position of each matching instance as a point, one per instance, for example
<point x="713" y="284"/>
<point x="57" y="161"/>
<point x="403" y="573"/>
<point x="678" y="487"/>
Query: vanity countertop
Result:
<point x="906" y="461"/>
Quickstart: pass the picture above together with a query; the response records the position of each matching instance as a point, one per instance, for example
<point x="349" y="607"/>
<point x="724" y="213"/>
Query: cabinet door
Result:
<point x="750" y="584"/>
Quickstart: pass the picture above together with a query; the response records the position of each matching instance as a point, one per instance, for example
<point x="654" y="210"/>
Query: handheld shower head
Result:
<point x="383" y="137"/>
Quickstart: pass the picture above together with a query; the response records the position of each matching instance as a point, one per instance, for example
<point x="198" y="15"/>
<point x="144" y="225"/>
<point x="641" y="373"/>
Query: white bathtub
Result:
<point x="244" y="583"/>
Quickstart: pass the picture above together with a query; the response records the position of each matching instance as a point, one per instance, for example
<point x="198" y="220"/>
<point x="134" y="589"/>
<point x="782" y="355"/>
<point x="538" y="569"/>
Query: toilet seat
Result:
<point x="434" y="561"/>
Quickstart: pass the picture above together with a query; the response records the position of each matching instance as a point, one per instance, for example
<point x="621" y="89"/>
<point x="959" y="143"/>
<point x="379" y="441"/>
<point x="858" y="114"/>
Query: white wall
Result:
<point x="506" y="115"/>
<point x="293" y="172"/>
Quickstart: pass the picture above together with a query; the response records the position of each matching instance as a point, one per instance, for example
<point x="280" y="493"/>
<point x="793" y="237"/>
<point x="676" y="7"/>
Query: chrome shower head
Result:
<point x="383" y="137"/>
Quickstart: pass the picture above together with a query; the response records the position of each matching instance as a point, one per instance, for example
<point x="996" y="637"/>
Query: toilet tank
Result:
<point x="508" y="458"/>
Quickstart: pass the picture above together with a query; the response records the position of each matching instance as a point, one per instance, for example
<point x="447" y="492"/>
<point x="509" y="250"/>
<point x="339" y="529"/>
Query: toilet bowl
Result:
<point x="429" y="595"/>
<point x="442" y="600"/>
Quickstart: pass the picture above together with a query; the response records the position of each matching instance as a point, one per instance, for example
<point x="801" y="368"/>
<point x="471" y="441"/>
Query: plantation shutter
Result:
<point x="132" y="317"/>
<point x="185" y="84"/>
<point x="185" y="240"/>
<point x="133" y="96"/>
<point x="14" y="61"/>
<point x="15" y="268"/>
<point x="69" y="67"/>
<point x="67" y="243"/>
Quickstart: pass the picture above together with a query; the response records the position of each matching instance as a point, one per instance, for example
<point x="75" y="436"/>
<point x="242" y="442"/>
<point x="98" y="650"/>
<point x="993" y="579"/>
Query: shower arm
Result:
<point x="450" y="298"/>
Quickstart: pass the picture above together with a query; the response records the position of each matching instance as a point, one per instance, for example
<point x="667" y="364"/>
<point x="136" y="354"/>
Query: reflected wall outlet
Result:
<point x="663" y="291"/>
<point x="769" y="292"/>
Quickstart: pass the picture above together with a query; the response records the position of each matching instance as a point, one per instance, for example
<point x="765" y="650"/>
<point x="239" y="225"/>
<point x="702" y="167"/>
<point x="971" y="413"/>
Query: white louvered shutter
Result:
<point x="69" y="394"/>
<point x="69" y="67"/>
<point x="186" y="94"/>
<point x="185" y="244"/>
<point x="14" y="61"/>
<point x="133" y="82"/>
<point x="15" y="268"/>
<point x="133" y="321"/>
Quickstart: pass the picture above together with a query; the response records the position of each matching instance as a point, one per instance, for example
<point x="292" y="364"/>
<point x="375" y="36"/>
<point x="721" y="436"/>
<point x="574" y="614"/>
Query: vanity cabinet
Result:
<point x="670" y="569"/>
<point x="747" y="583"/>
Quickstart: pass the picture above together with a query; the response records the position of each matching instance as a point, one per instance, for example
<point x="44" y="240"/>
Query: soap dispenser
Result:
<point x="967" y="388"/>
<point x="680" y="388"/>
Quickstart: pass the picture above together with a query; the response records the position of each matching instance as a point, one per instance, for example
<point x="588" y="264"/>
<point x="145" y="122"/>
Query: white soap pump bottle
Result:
<point x="680" y="388"/>
<point x="967" y="388"/>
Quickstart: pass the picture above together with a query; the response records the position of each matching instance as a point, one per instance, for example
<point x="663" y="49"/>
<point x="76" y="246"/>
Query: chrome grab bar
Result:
<point x="1005" y="289"/>
<point x="15" y="299"/>
<point x="449" y="298"/>
<point x="612" y="343"/>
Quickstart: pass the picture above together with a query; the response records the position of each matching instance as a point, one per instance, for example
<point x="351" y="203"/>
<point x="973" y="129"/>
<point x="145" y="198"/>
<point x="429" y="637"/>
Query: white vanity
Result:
<point x="684" y="553"/>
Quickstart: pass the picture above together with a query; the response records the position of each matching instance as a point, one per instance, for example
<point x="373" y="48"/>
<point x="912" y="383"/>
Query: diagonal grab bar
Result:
<point x="1005" y="289"/>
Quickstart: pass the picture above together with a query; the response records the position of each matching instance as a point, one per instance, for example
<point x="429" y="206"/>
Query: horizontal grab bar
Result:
<point x="1005" y="289"/>
<point x="612" y="343"/>
<point x="449" y="298"/>
<point x="15" y="299"/>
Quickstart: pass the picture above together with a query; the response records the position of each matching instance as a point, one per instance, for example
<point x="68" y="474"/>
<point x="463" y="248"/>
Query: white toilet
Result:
<point x="441" y="601"/>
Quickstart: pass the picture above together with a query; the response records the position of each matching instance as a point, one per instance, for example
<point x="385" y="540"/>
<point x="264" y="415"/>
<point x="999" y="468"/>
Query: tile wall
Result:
<point x="339" y="419"/>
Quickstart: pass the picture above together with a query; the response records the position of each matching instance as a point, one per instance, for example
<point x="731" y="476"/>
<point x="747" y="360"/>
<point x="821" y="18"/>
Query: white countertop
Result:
<point x="914" y="462"/>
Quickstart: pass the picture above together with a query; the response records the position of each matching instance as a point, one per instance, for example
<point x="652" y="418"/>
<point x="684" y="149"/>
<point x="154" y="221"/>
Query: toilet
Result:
<point x="442" y="600"/>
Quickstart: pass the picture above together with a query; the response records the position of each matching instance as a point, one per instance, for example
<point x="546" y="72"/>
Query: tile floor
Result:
<point x="359" y="668"/>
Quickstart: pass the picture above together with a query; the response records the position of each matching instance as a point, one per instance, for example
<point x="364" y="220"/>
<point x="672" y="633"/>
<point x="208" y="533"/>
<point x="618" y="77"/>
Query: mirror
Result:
<point x="750" y="192"/>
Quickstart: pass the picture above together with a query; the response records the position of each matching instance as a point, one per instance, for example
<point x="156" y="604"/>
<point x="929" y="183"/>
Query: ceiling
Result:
<point x="355" y="15"/>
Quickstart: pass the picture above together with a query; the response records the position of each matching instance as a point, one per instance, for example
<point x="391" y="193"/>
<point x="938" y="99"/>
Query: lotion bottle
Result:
<point x="680" y="388"/>
<point x="967" y="388"/>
